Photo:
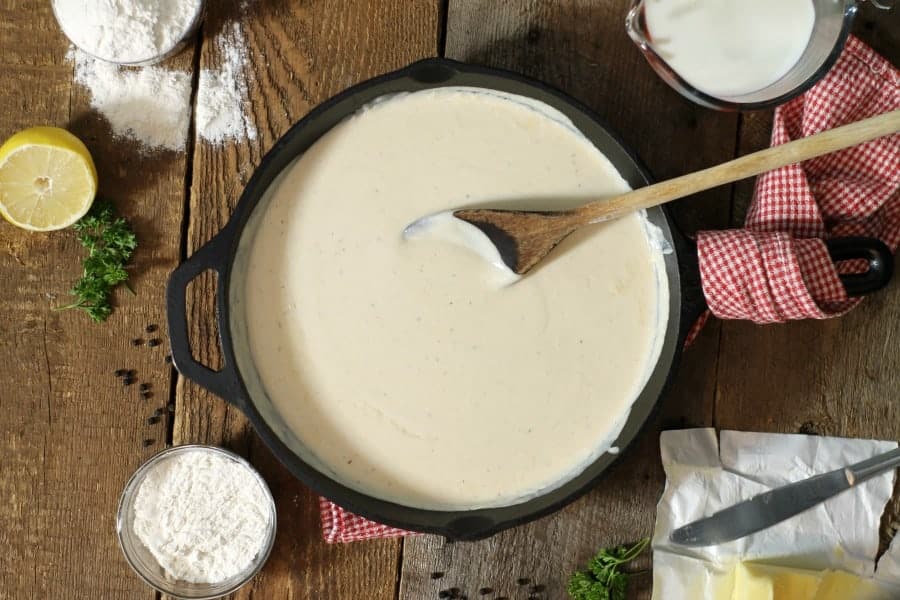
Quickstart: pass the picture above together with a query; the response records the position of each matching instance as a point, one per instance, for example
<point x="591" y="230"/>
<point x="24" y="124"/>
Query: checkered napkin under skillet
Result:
<point x="777" y="268"/>
<point x="339" y="525"/>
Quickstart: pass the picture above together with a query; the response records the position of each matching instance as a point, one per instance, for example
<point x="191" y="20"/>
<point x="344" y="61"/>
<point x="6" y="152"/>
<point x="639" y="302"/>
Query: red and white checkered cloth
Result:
<point x="777" y="268"/>
<point x="340" y="526"/>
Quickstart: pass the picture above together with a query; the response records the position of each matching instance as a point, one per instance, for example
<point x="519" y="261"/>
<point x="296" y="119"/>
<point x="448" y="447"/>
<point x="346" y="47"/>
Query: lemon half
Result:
<point x="47" y="179"/>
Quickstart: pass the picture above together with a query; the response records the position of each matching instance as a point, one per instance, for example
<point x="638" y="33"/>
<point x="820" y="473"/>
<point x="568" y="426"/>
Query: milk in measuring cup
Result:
<point x="730" y="47"/>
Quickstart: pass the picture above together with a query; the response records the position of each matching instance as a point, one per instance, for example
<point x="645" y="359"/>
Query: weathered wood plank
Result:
<point x="301" y="53"/>
<point x="71" y="435"/>
<point x="581" y="47"/>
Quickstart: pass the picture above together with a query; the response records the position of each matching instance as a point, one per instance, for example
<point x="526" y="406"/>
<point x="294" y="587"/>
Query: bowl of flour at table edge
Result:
<point x="143" y="561"/>
<point x="129" y="32"/>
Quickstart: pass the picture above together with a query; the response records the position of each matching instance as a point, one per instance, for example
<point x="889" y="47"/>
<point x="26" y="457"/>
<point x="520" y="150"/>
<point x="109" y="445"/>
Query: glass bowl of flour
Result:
<point x="196" y="522"/>
<point x="129" y="32"/>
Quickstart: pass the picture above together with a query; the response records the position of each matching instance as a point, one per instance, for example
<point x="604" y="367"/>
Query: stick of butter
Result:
<point x="767" y="582"/>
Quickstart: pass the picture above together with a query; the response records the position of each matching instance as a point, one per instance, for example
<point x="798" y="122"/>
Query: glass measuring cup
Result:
<point x="833" y="19"/>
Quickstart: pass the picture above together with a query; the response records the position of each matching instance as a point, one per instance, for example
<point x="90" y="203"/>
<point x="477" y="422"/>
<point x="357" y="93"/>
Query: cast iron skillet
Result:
<point x="239" y="384"/>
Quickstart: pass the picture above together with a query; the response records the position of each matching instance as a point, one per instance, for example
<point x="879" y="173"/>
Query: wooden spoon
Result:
<point x="523" y="237"/>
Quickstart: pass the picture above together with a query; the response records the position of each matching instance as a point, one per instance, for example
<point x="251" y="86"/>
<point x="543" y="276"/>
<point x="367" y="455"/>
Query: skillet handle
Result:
<point x="872" y="250"/>
<point x="213" y="257"/>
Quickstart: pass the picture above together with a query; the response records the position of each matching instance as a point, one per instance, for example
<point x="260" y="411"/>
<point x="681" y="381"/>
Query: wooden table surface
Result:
<point x="70" y="436"/>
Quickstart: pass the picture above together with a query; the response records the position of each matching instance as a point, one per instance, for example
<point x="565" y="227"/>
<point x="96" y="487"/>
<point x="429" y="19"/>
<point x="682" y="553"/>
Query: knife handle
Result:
<point x="871" y="467"/>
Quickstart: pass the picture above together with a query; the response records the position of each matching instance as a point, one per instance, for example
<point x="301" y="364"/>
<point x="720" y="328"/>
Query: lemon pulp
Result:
<point x="47" y="179"/>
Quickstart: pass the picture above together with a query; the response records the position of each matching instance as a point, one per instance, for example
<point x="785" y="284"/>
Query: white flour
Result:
<point x="126" y="31"/>
<point x="204" y="517"/>
<point x="222" y="93"/>
<point x="151" y="105"/>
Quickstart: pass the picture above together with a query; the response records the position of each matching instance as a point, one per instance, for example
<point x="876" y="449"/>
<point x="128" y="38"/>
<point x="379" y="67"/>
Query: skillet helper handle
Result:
<point x="873" y="251"/>
<point x="879" y="257"/>
<point x="210" y="257"/>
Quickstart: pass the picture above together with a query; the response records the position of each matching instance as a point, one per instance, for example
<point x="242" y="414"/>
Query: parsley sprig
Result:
<point x="111" y="244"/>
<point x="604" y="579"/>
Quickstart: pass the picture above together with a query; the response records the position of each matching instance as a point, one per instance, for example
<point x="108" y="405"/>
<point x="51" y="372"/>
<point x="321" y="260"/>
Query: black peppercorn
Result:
<point x="152" y="420"/>
<point x="154" y="342"/>
<point x="437" y="575"/>
<point x="144" y="387"/>
<point x="137" y="342"/>
<point x="169" y="359"/>
<point x="523" y="581"/>
<point x="151" y="328"/>
<point x="149" y="442"/>
<point x="127" y="380"/>
<point x="485" y="591"/>
<point x="121" y="373"/>
<point x="444" y="594"/>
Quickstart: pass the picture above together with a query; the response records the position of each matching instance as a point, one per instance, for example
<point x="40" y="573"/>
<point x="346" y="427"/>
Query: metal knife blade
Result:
<point x="772" y="507"/>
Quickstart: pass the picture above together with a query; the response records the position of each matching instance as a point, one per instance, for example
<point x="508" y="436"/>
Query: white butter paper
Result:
<point x="888" y="570"/>
<point x="705" y="474"/>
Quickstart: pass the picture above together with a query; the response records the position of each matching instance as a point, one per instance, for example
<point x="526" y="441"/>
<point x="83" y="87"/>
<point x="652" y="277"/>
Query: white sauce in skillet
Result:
<point x="401" y="365"/>
<point x="445" y="227"/>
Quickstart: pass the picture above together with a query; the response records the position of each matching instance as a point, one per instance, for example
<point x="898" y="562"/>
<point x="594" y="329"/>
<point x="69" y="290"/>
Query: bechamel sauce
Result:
<point x="730" y="47"/>
<point x="398" y="364"/>
<point x="445" y="227"/>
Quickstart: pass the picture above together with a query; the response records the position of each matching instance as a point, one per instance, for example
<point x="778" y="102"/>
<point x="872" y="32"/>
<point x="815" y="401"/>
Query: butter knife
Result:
<point x="766" y="509"/>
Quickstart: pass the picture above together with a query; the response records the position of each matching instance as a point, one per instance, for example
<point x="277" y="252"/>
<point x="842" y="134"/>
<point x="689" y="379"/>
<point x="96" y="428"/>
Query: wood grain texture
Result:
<point x="71" y="435"/>
<point x="301" y="53"/>
<point x="581" y="47"/>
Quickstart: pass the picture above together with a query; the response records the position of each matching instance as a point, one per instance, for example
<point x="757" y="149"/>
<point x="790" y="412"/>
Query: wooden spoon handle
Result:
<point x="743" y="167"/>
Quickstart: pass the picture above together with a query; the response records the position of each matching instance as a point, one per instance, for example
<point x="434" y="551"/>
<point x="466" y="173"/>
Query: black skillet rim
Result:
<point x="478" y="523"/>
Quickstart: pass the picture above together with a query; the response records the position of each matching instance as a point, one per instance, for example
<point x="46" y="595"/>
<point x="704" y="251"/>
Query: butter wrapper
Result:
<point x="706" y="473"/>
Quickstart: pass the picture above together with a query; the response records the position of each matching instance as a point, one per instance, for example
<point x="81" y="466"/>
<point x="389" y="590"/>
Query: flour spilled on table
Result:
<point x="222" y="93"/>
<point x="152" y="105"/>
